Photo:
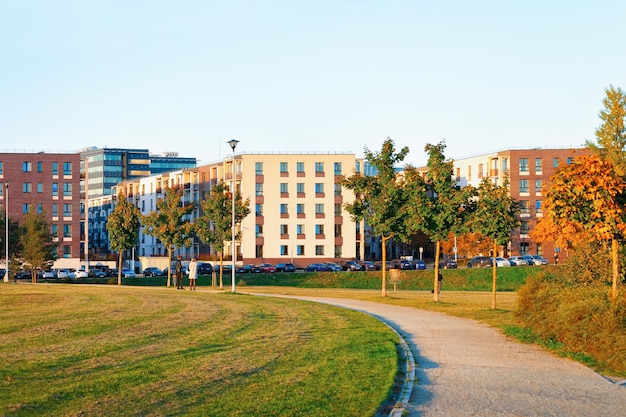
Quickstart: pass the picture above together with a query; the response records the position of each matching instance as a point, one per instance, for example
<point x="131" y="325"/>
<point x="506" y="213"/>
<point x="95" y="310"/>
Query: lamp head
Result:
<point x="233" y="143"/>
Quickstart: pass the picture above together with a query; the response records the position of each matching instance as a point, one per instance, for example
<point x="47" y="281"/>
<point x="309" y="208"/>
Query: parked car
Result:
<point x="502" y="262"/>
<point x="420" y="264"/>
<point x="539" y="260"/>
<point x="49" y="273"/>
<point x="97" y="273"/>
<point x="479" y="262"/>
<point x="65" y="272"/>
<point x="285" y="267"/>
<point x="244" y="269"/>
<point x="368" y="266"/>
<point x="404" y="264"/>
<point x="204" y="268"/>
<point x="317" y="267"/>
<point x="334" y="267"/>
<point x="520" y="260"/>
<point x="2" y="272"/>
<point x="80" y="273"/>
<point x="128" y="273"/>
<point x="152" y="271"/>
<point x="267" y="268"/>
<point x="447" y="263"/>
<point x="350" y="266"/>
<point x="23" y="275"/>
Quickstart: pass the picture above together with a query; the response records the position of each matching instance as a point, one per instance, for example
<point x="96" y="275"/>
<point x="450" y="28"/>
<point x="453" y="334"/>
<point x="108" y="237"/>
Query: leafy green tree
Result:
<point x="213" y="227"/>
<point x="15" y="246"/>
<point x="381" y="199"/>
<point x="495" y="216"/>
<point x="123" y="226"/>
<point x="37" y="242"/>
<point x="439" y="208"/>
<point x="168" y="223"/>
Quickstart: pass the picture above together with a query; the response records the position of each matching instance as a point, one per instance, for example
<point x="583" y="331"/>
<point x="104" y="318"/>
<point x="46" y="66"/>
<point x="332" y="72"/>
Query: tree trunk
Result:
<point x="221" y="270"/>
<point x="494" y="275"/>
<point x="169" y="265"/>
<point x="615" y="261"/>
<point x="119" y="268"/>
<point x="383" y="267"/>
<point x="436" y="281"/>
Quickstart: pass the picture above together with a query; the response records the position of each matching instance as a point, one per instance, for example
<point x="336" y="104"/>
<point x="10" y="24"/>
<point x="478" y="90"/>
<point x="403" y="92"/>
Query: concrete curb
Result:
<point x="409" y="372"/>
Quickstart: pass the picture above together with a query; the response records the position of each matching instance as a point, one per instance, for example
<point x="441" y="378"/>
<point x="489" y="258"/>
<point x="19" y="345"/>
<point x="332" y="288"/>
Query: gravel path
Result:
<point x="465" y="368"/>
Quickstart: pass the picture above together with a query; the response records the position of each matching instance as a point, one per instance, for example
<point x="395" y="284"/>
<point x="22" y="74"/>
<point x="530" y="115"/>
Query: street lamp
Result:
<point x="6" y="226"/>
<point x="233" y="144"/>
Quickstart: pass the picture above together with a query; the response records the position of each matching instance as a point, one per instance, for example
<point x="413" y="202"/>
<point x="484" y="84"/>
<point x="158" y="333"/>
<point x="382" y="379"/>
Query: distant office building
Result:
<point x="45" y="182"/>
<point x="103" y="168"/>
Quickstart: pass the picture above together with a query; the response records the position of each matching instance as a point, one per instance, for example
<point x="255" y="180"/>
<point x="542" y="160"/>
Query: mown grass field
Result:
<point x="71" y="350"/>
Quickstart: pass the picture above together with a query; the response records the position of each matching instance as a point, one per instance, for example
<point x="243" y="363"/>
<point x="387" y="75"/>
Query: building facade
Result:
<point x="48" y="183"/>
<point x="529" y="172"/>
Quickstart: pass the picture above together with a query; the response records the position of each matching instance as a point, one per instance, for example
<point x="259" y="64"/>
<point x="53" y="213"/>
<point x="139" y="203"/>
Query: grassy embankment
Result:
<point x="71" y="350"/>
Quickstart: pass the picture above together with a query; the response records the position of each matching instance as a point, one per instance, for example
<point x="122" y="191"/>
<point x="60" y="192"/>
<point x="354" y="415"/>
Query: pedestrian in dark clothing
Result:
<point x="179" y="274"/>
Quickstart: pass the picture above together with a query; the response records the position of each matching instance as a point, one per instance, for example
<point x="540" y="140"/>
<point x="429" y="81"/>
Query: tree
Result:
<point x="168" y="225"/>
<point x="495" y="216"/>
<point x="468" y="244"/>
<point x="611" y="135"/>
<point x="15" y="246"/>
<point x="583" y="203"/>
<point x="37" y="242"/>
<point x="213" y="227"/>
<point x="441" y="207"/>
<point x="381" y="199"/>
<point x="123" y="226"/>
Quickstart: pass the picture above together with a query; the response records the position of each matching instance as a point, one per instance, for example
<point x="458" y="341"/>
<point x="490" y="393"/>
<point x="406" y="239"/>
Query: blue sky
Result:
<point x="294" y="76"/>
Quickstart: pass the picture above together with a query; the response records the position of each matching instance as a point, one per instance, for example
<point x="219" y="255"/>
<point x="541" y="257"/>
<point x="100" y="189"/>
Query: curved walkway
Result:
<point x="465" y="368"/>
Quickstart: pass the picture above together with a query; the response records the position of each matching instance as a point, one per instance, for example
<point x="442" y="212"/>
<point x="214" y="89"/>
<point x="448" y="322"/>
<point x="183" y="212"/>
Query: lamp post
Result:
<point x="233" y="252"/>
<point x="6" y="226"/>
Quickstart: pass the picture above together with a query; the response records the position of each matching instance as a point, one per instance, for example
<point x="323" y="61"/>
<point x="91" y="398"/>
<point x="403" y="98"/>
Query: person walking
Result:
<point x="179" y="274"/>
<point x="193" y="274"/>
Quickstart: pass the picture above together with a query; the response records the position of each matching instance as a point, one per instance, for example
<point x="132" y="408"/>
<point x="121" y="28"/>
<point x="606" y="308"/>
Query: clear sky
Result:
<point x="306" y="75"/>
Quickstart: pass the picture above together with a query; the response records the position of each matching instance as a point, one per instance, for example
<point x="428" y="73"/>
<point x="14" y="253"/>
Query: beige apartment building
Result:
<point x="296" y="204"/>
<point x="529" y="172"/>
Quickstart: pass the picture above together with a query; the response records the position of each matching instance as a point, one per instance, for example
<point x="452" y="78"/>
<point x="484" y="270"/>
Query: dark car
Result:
<point x="405" y="264"/>
<point x="448" y="263"/>
<point x="368" y="266"/>
<point x="97" y="273"/>
<point x="479" y="262"/>
<point x="204" y="268"/>
<point x="23" y="275"/>
<point x="285" y="267"/>
<point x="350" y="266"/>
<point x="152" y="271"/>
<point x="317" y="268"/>
<point x="420" y="265"/>
<point x="244" y="269"/>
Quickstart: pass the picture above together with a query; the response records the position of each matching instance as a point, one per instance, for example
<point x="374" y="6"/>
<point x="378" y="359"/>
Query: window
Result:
<point x="67" y="251"/>
<point x="524" y="248"/>
<point x="55" y="189"/>
<point x="67" y="230"/>
<point x="555" y="162"/>
<point x="300" y="167"/>
<point x="319" y="250"/>
<point x="284" y="167"/>
<point x="300" y="209"/>
<point x="283" y="250"/>
<point x="538" y="209"/>
<point x="259" y="230"/>
<point x="258" y="210"/>
<point x="337" y="189"/>
<point x="480" y="170"/>
<point x="26" y="187"/>
<point x="299" y="229"/>
<point x="319" y="188"/>
<point x="523" y="186"/>
<point x="300" y="188"/>
<point x="338" y="230"/>
<point x="39" y="166"/>
<point x="337" y="210"/>
<point x="39" y="208"/>
<point x="337" y="168"/>
<point x="570" y="160"/>
<point x="55" y="230"/>
<point x="524" y="228"/>
<point x="67" y="189"/>
<point x="67" y="210"/>
<point x="319" y="167"/>
<point x="538" y="186"/>
<point x="40" y="187"/>
<point x="357" y="167"/>
<point x="523" y="165"/>
<point x="258" y="188"/>
<point x="469" y="172"/>
<point x="258" y="168"/>
<point x="67" y="168"/>
<point x="284" y="209"/>
<point x="319" y="229"/>
<point x="319" y="209"/>
<point x="26" y="166"/>
<point x="259" y="251"/>
<point x="524" y="206"/>
<point x="538" y="165"/>
<point x="55" y="168"/>
<point x="1" y="168"/>
<point x="337" y="251"/>
<point x="300" y="250"/>
<point x="55" y="210"/>
<point x="284" y="229"/>
<point x="284" y="188"/>
<point x="25" y="208"/>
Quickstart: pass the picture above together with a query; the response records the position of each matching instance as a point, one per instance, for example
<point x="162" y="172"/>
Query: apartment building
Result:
<point x="45" y="182"/>
<point x="296" y="203"/>
<point x="529" y="172"/>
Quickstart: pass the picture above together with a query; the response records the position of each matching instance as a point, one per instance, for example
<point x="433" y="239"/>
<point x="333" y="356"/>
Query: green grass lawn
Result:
<point x="70" y="350"/>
